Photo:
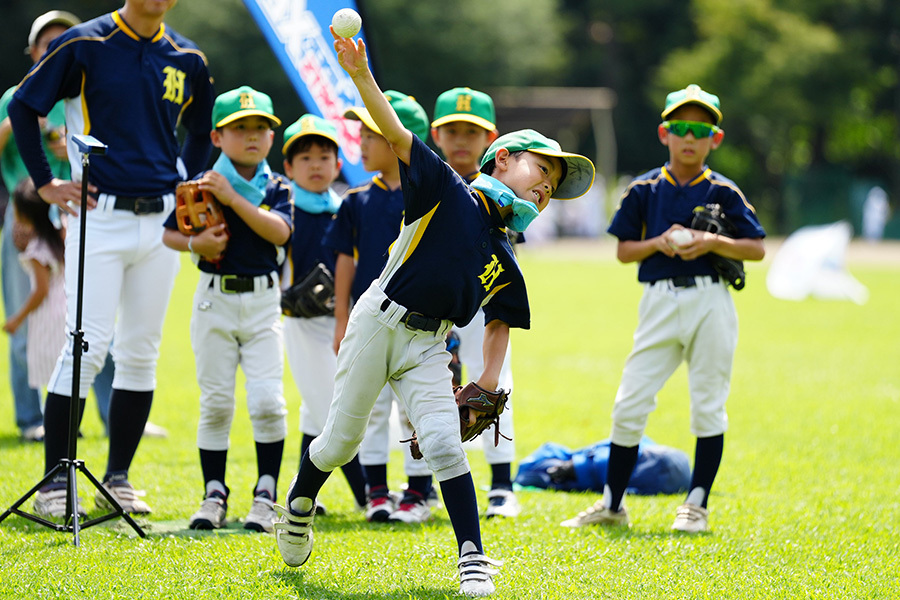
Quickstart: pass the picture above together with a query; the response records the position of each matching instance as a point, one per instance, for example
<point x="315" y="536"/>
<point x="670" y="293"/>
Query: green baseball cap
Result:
<point x="692" y="94"/>
<point x="309" y="125"/>
<point x="579" y="169"/>
<point x="410" y="112"/>
<point x="240" y="103"/>
<point x="465" y="104"/>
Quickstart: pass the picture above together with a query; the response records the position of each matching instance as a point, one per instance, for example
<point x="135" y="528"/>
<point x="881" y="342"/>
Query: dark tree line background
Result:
<point x="809" y="88"/>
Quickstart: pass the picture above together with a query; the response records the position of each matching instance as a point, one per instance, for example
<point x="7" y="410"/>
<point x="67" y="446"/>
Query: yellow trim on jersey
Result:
<point x="186" y="50"/>
<point x="703" y="176"/>
<point x="669" y="178"/>
<point x="183" y="108"/>
<point x="487" y="206"/>
<point x="120" y="22"/>
<point x="420" y="231"/>
<point x="160" y="33"/>
<point x="47" y="57"/>
<point x="380" y="183"/>
<point x="84" y="109"/>
<point x="735" y="189"/>
<point x="492" y="292"/>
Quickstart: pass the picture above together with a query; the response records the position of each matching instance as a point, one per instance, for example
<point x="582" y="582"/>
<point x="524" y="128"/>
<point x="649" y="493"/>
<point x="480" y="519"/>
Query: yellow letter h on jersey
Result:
<point x="174" y="84"/>
<point x="492" y="271"/>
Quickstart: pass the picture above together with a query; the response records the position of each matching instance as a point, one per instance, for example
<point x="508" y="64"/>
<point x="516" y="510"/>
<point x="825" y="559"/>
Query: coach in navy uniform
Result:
<point x="128" y="80"/>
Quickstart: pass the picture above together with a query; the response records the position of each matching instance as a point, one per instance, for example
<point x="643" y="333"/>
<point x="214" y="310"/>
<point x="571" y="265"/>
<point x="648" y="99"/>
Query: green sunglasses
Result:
<point x="700" y="130"/>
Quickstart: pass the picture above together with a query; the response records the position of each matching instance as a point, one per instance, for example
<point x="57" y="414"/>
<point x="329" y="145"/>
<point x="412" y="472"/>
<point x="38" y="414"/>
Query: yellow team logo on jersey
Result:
<point x="247" y="102"/>
<point x="492" y="271"/>
<point x="464" y="103"/>
<point x="174" y="84"/>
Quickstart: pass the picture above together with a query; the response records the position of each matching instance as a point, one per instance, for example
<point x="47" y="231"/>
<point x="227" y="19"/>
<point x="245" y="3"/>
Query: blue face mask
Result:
<point x="523" y="211"/>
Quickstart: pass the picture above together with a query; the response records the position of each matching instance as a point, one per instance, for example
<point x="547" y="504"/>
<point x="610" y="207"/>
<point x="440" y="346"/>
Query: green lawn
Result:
<point x="805" y="506"/>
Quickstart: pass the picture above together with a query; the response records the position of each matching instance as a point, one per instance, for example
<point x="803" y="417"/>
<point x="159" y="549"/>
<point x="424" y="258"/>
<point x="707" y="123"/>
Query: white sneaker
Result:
<point x="691" y="518"/>
<point x="598" y="515"/>
<point x="293" y="531"/>
<point x="125" y="495"/>
<point x="155" y="431"/>
<point x="502" y="503"/>
<point x="475" y="571"/>
<point x="380" y="508"/>
<point x="212" y="512"/>
<point x="52" y="503"/>
<point x="33" y="434"/>
<point x="413" y="509"/>
<point x="261" y="516"/>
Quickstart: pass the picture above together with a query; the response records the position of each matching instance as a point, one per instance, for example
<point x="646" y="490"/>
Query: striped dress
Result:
<point x="47" y="323"/>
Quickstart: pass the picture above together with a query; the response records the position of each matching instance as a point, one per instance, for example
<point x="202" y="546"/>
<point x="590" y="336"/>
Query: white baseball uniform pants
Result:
<point x="310" y="354"/>
<point x="378" y="349"/>
<point x="376" y="445"/>
<point x="128" y="278"/>
<point x="698" y="325"/>
<point x="471" y="354"/>
<point x="230" y="330"/>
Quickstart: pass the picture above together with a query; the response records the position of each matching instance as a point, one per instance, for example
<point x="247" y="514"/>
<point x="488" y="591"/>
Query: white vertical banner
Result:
<point x="297" y="31"/>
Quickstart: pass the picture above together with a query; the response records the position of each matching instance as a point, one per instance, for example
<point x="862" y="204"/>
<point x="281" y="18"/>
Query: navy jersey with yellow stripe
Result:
<point x="366" y="225"/>
<point x="307" y="248"/>
<point x="247" y="253"/>
<point x="655" y="201"/>
<point x="453" y="255"/>
<point x="128" y="92"/>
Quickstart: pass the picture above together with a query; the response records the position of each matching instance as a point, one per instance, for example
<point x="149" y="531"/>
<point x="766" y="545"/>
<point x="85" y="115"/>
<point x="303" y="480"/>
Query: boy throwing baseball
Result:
<point x="452" y="257"/>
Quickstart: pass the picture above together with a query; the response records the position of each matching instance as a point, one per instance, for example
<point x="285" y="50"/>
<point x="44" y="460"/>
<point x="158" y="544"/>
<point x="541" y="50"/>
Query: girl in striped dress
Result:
<point x="45" y="309"/>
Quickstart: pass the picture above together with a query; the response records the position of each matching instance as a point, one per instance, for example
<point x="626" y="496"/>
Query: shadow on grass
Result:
<point x="295" y="578"/>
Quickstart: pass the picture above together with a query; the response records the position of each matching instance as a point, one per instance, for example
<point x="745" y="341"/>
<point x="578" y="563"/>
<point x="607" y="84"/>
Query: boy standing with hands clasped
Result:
<point x="463" y="128"/>
<point x="236" y="318"/>
<point x="686" y="312"/>
<point x="452" y="257"/>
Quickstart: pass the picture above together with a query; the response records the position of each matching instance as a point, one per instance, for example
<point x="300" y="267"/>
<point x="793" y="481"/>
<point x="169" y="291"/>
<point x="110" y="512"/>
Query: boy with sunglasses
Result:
<point x="686" y="312"/>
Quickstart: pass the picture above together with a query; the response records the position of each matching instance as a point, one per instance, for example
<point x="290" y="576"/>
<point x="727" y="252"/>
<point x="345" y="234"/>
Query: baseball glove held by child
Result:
<point x="711" y="218"/>
<point x="196" y="209"/>
<point x="311" y="297"/>
<point x="478" y="410"/>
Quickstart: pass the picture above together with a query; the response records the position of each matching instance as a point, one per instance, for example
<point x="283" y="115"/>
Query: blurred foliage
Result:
<point x="806" y="85"/>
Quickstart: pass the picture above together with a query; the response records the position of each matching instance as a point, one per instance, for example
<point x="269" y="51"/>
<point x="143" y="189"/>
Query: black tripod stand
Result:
<point x="87" y="145"/>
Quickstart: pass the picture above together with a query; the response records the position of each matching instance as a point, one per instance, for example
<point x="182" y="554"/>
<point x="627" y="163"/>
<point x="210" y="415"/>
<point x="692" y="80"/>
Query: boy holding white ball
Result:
<point x="686" y="312"/>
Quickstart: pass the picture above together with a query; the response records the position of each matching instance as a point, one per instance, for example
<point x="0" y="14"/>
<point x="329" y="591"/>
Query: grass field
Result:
<point x="805" y="506"/>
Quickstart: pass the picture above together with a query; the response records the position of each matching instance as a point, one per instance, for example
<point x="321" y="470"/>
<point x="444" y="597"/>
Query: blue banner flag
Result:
<point x="297" y="31"/>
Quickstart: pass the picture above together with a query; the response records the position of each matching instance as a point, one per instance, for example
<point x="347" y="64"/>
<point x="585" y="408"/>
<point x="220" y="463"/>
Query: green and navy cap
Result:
<point x="240" y="103"/>
<point x="692" y="94"/>
<point x="465" y="104"/>
<point x="309" y="125"/>
<point x="579" y="169"/>
<point x="410" y="112"/>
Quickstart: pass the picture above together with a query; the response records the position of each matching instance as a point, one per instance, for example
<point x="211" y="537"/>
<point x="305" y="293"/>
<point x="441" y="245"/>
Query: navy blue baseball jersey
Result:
<point x="161" y="81"/>
<point x="655" y="201"/>
<point x="248" y="254"/>
<point x="307" y="243"/>
<point x="366" y="225"/>
<point x="453" y="255"/>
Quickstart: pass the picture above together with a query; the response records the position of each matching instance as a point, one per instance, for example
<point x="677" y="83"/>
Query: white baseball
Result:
<point x="681" y="237"/>
<point x="346" y="22"/>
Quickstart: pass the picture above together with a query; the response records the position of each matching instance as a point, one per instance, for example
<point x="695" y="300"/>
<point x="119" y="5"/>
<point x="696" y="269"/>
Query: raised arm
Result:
<point x="353" y="59"/>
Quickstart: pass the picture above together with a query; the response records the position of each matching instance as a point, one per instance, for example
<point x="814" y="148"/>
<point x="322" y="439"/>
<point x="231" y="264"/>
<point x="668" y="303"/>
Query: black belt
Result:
<point x="238" y="284"/>
<point x="688" y="281"/>
<point x="414" y="320"/>
<point x="142" y="205"/>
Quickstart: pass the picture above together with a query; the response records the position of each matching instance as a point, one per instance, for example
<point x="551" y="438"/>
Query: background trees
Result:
<point x="809" y="88"/>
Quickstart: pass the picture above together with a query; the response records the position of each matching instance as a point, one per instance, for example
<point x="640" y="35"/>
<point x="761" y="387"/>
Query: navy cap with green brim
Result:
<point x="309" y="125"/>
<point x="579" y="169"/>
<point x="692" y="94"/>
<point x="411" y="114"/>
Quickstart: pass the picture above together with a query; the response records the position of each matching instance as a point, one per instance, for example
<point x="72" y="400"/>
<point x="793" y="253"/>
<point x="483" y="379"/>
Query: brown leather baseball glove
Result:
<point x="478" y="410"/>
<point x="196" y="209"/>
